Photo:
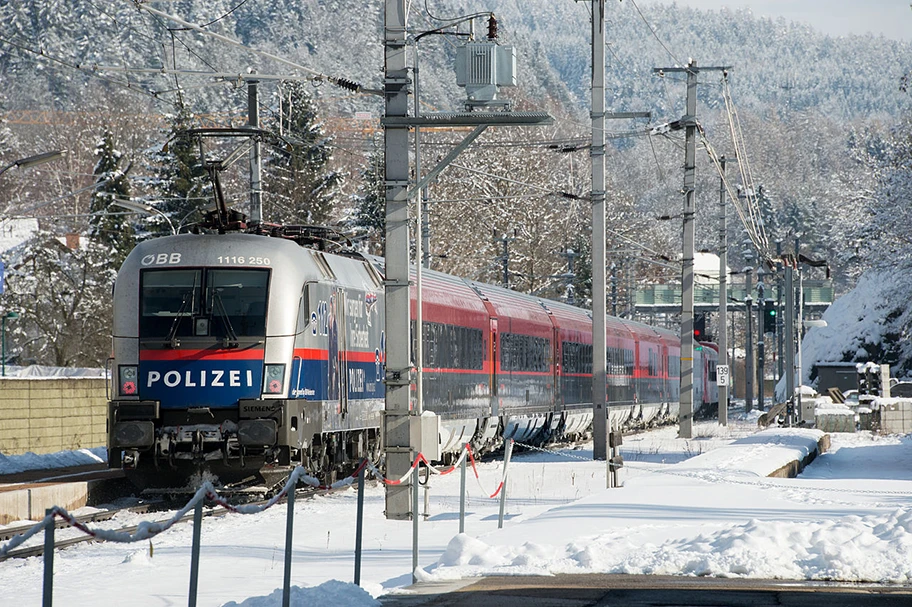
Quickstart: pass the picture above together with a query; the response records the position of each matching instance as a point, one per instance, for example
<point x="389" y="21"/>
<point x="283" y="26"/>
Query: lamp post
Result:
<point x="7" y="316"/>
<point x="30" y="161"/>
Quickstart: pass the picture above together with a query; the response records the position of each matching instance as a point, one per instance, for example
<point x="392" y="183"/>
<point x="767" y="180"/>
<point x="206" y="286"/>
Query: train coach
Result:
<point x="244" y="354"/>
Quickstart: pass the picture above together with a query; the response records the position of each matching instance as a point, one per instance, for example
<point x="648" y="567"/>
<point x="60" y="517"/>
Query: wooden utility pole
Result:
<point x="689" y="123"/>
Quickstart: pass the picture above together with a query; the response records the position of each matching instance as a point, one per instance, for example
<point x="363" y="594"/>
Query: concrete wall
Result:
<point x="896" y="416"/>
<point x="44" y="415"/>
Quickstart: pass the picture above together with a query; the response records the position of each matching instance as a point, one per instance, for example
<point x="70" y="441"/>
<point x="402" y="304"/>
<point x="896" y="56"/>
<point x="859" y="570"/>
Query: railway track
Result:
<point x="174" y="502"/>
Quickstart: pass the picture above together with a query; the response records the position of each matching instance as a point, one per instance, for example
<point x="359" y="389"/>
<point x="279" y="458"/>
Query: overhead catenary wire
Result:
<point x="338" y="81"/>
<point x="747" y="178"/>
<point x="753" y="228"/>
<point x="217" y="19"/>
<point x="87" y="71"/>
<point x="171" y="31"/>
<point x="655" y="35"/>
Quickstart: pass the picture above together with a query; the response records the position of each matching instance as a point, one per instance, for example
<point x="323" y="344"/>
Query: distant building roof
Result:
<point x="13" y="232"/>
<point x="706" y="268"/>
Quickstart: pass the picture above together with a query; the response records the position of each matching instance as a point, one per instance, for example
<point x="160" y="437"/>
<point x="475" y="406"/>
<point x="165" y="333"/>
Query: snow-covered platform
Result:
<point x="777" y="452"/>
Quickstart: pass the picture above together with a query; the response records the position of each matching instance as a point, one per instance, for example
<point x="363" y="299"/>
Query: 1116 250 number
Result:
<point x="242" y="260"/>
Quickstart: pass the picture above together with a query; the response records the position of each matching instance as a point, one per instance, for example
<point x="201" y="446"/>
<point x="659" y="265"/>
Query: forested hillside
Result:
<point x="824" y="121"/>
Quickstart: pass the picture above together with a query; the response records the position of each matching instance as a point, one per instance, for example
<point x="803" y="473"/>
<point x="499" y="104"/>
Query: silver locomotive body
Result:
<point x="238" y="353"/>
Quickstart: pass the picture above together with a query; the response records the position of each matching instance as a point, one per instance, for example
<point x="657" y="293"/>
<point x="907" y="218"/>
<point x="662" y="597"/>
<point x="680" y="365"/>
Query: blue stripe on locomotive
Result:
<point x="310" y="380"/>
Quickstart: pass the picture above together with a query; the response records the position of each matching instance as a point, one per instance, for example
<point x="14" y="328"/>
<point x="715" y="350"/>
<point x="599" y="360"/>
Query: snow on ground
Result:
<point x="13" y="464"/>
<point x="848" y="517"/>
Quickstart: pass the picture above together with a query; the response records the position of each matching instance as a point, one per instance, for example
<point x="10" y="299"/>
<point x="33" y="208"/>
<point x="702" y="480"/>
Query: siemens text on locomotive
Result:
<point x="245" y="354"/>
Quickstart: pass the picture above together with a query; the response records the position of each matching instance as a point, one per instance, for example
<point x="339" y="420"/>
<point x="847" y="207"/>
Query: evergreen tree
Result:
<point x="182" y="182"/>
<point x="6" y="135"/>
<point x="107" y="224"/>
<point x="582" y="269"/>
<point x="885" y="231"/>
<point x="301" y="186"/>
<point x="369" y="219"/>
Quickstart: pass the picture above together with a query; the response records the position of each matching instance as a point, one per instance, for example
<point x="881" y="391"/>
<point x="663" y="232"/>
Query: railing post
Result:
<point x="503" y="490"/>
<point x="195" y="551"/>
<point x="462" y="492"/>
<point x="415" y="522"/>
<point x="48" y="596"/>
<point x="359" y="528"/>
<point x="289" y="528"/>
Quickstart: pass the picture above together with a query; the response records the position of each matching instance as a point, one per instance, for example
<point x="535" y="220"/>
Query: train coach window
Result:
<point x="450" y="346"/>
<point x="524" y="353"/>
<point x="674" y="367"/>
<point x="577" y="358"/>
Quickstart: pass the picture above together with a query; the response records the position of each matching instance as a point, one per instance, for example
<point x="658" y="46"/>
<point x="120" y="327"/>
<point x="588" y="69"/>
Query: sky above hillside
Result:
<point x="892" y="18"/>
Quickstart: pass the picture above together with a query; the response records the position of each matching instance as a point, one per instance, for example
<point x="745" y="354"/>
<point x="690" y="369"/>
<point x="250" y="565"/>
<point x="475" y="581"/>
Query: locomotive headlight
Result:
<point x="128" y="375"/>
<point x="274" y="379"/>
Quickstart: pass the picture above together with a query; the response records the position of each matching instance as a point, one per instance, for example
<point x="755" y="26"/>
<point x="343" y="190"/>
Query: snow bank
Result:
<point x="332" y="592"/>
<point x="820" y="550"/>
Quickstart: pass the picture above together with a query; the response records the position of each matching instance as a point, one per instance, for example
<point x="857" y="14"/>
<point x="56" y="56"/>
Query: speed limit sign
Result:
<point x="722" y="375"/>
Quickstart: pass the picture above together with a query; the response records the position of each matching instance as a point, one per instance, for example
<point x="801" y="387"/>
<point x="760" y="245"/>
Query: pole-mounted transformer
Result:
<point x="482" y="66"/>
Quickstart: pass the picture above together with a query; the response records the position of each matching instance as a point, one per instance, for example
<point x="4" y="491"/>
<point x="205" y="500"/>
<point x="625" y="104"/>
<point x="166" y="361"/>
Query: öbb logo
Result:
<point x="161" y="259"/>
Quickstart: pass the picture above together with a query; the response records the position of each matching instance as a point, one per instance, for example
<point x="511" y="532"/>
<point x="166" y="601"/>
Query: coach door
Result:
<point x="556" y="366"/>
<point x="492" y="375"/>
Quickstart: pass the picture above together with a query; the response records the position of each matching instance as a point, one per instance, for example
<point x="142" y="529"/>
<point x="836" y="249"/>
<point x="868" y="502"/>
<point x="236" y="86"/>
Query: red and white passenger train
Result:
<point x="243" y="353"/>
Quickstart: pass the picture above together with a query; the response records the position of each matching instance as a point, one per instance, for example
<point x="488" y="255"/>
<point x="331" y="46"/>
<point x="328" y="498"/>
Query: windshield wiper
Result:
<point x="231" y="341"/>
<point x="172" y="334"/>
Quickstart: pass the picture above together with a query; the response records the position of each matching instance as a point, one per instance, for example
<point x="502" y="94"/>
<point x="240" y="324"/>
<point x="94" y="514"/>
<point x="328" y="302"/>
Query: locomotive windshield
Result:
<point x="221" y="303"/>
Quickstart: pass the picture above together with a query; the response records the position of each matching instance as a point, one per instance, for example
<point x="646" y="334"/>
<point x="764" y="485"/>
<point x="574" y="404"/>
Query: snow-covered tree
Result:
<point x="889" y="212"/>
<point x="369" y="220"/>
<point x="182" y="184"/>
<point x="300" y="185"/>
<point x="6" y="135"/>
<point x="63" y="297"/>
<point x="107" y="223"/>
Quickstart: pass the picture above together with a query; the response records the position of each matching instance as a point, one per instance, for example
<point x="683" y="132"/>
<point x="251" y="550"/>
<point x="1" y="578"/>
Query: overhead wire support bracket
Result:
<point x="480" y="120"/>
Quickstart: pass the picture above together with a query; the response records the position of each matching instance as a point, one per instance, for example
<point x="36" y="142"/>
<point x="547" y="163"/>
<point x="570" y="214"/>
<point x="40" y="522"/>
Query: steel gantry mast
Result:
<point x="397" y="422"/>
<point x="599" y="303"/>
<point x="396" y="286"/>
<point x="689" y="123"/>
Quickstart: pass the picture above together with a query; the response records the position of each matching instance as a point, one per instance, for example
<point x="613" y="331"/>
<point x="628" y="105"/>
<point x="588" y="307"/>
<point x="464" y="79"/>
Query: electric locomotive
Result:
<point x="243" y="354"/>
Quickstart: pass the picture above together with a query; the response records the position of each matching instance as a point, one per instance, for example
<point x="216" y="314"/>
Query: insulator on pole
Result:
<point x="346" y="84"/>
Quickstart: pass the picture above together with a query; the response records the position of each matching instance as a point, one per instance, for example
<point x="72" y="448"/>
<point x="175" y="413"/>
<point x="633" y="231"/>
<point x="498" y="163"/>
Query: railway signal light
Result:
<point x="769" y="316"/>
<point x="699" y="327"/>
